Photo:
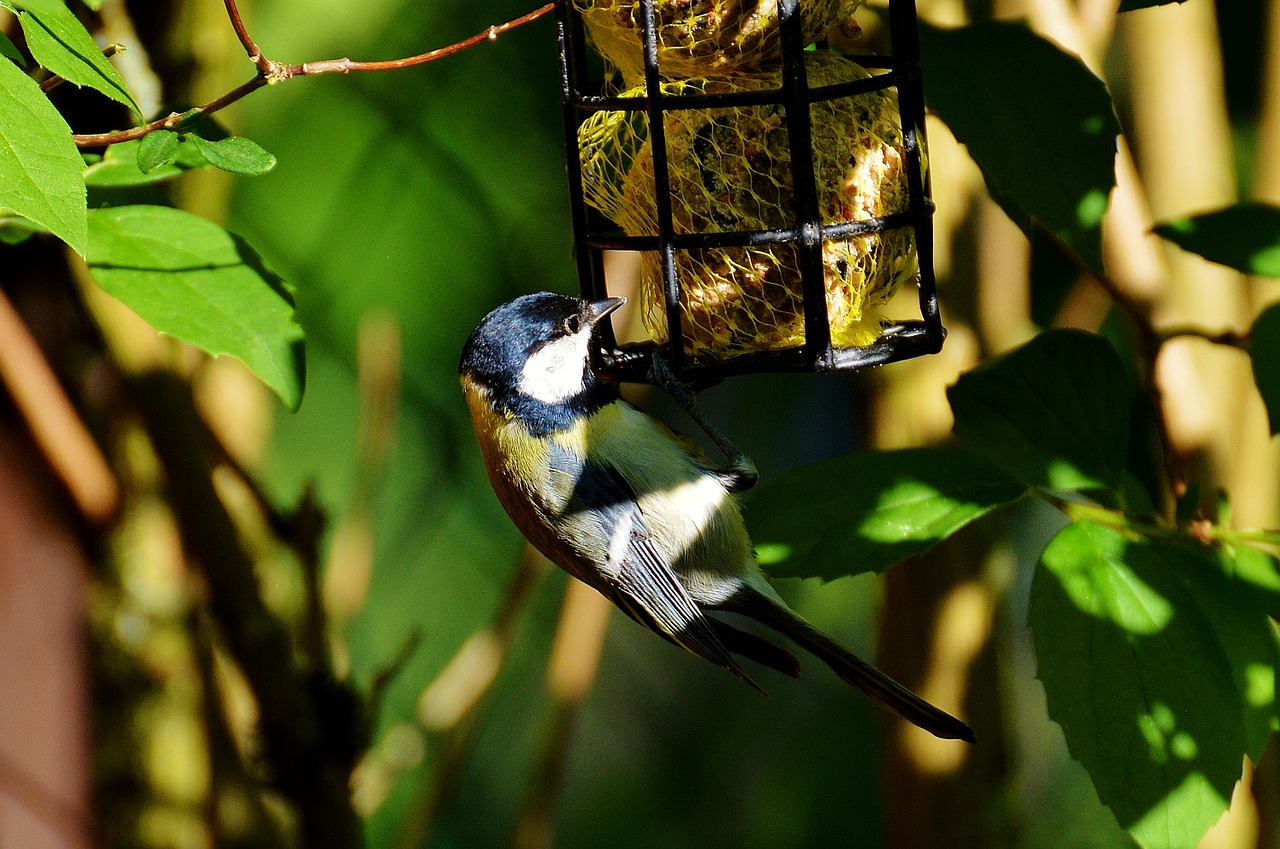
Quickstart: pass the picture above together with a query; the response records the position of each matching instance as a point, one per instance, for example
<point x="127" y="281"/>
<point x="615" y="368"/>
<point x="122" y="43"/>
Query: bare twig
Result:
<point x="54" y="81"/>
<point x="242" y="33"/>
<point x="173" y="119"/>
<point x="384" y="677"/>
<point x="270" y="72"/>
<point x="344" y="66"/>
<point x="1149" y="344"/>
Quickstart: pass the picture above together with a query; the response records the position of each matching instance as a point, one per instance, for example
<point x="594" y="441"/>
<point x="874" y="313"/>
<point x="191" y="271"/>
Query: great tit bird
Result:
<point x="631" y="508"/>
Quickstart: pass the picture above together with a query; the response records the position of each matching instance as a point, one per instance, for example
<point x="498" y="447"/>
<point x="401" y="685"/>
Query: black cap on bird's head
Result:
<point x="537" y="348"/>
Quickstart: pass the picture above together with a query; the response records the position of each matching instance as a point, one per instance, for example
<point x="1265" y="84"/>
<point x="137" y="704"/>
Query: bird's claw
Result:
<point x="740" y="474"/>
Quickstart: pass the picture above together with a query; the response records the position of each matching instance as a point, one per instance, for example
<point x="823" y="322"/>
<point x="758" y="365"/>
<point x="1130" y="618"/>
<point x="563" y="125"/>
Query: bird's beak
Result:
<point x="597" y="310"/>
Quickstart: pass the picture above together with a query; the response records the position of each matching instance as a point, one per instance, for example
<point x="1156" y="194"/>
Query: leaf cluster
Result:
<point x="1151" y="641"/>
<point x="186" y="276"/>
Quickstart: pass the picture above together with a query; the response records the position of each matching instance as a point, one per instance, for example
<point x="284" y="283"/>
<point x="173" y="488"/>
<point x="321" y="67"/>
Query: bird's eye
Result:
<point x="572" y="325"/>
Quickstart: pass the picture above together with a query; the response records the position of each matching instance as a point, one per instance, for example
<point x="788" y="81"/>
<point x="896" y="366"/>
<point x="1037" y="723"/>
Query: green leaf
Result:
<point x="48" y="6"/>
<point x="1160" y="669"/>
<point x="1264" y="354"/>
<point x="156" y="149"/>
<point x="119" y="166"/>
<point x="1053" y="413"/>
<point x="1260" y="571"/>
<point x="61" y="44"/>
<point x="40" y="169"/>
<point x="193" y="280"/>
<point x="237" y="155"/>
<point x="865" y="512"/>
<point x="1036" y="121"/>
<point x="14" y="229"/>
<point x="1245" y="236"/>
<point x="1132" y="5"/>
<point x="9" y="50"/>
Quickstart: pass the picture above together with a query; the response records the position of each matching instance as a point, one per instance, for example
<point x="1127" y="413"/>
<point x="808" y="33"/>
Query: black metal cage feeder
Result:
<point x="584" y="95"/>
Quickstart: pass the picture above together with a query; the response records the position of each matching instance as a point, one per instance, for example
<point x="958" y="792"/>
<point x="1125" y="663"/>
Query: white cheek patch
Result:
<point x="554" y="373"/>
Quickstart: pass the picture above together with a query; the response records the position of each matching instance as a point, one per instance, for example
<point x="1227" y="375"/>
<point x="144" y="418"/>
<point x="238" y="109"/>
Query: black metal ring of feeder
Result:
<point x="582" y="96"/>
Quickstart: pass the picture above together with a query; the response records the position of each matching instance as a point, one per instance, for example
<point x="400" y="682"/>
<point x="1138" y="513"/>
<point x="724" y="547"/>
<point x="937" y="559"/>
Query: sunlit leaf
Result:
<point x="1160" y="668"/>
<point x="1036" y="121"/>
<point x="61" y="44"/>
<point x="865" y="512"/>
<point x="1261" y="571"/>
<point x="156" y="149"/>
<point x="119" y="166"/>
<point x="237" y="155"/>
<point x="9" y="50"/>
<point x="1245" y="236"/>
<point x="48" y="6"/>
<point x="40" y="169"/>
<point x="193" y="280"/>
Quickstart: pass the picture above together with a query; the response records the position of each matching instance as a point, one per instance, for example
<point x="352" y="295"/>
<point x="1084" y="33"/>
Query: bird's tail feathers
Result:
<point x="848" y="666"/>
<point x="755" y="648"/>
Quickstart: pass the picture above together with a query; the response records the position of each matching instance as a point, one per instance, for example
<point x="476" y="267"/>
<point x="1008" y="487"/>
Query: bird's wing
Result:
<point x="639" y="580"/>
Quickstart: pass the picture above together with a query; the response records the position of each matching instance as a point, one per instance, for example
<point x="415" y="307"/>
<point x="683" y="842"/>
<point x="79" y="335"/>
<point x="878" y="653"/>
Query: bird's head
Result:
<point x="536" y="350"/>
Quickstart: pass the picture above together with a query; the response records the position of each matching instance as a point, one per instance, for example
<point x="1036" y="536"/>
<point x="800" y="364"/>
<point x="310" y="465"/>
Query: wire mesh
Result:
<point x="792" y="102"/>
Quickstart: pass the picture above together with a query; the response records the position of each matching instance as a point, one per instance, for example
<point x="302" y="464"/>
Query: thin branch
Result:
<point x="270" y="72"/>
<point x="173" y="119"/>
<point x="1149" y="343"/>
<point x="54" y="81"/>
<point x="343" y="66"/>
<point x="242" y="33"/>
<point x="384" y="677"/>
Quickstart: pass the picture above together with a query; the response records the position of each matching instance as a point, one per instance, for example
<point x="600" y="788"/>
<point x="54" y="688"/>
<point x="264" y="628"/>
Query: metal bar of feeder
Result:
<point x="804" y="184"/>
<point x="755" y="238"/>
<point x="904" y="36"/>
<point x="731" y="99"/>
<point x="570" y="60"/>
<point x="662" y="182"/>
<point x="901" y="341"/>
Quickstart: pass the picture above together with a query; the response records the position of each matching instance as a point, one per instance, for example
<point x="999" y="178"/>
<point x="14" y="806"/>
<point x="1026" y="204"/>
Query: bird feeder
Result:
<point x="777" y="192"/>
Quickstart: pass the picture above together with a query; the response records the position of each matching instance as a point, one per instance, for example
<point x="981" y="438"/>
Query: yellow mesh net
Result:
<point x="731" y="170"/>
<point x="699" y="38"/>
